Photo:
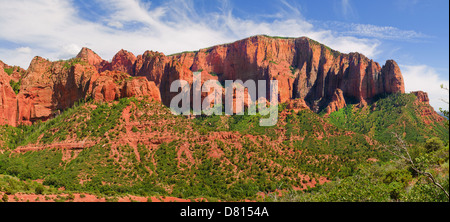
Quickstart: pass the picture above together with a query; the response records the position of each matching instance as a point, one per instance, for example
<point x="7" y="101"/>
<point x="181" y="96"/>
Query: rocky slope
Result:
<point x="120" y="140"/>
<point x="308" y="73"/>
<point x="47" y="88"/>
<point x="304" y="69"/>
<point x="427" y="113"/>
<point x="135" y="146"/>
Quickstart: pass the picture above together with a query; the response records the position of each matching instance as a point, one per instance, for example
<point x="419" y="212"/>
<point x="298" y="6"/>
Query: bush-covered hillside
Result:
<point x="136" y="146"/>
<point x="395" y="113"/>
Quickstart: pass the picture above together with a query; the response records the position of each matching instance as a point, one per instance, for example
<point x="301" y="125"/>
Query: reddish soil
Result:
<point x="68" y="145"/>
<point x="21" y="197"/>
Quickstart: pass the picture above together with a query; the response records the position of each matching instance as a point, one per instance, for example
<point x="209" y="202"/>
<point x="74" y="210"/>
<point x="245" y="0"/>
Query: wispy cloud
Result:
<point x="24" y="50"/>
<point x="374" y="31"/>
<point x="55" y="29"/>
<point x="58" y="29"/>
<point x="384" y="32"/>
<point x="344" y="9"/>
<point x="291" y="8"/>
<point x="347" y="9"/>
<point x="406" y="4"/>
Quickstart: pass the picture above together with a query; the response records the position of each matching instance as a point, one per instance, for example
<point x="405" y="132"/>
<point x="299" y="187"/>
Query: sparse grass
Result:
<point x="332" y="51"/>
<point x="271" y="61"/>
<point x="71" y="62"/>
<point x="184" y="52"/>
<point x="195" y="161"/>
<point x="278" y="37"/>
<point x="9" y="71"/>
<point x="293" y="69"/>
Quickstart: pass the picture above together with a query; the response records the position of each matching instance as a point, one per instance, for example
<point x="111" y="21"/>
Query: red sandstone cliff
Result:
<point x="50" y="87"/>
<point x="8" y="101"/>
<point x="307" y="71"/>
<point x="304" y="69"/>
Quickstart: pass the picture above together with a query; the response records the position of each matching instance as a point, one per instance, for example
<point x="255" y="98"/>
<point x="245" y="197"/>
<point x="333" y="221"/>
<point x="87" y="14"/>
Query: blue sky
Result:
<point x="415" y="33"/>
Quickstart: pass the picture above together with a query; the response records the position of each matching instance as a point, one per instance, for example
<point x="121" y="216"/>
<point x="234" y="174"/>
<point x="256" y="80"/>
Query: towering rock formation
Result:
<point x="8" y="100"/>
<point x="50" y="87"/>
<point x="304" y="69"/>
<point x="123" y="61"/>
<point x="309" y="75"/>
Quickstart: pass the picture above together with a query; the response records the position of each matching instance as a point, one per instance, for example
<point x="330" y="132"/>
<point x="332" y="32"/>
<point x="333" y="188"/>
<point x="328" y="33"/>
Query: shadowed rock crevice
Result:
<point x="322" y="78"/>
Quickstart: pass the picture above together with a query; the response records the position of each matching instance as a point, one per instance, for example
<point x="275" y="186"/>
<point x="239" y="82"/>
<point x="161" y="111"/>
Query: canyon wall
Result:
<point x="308" y="73"/>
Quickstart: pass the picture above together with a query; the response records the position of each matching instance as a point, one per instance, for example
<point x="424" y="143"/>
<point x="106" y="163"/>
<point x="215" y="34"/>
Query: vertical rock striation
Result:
<point x="309" y="75"/>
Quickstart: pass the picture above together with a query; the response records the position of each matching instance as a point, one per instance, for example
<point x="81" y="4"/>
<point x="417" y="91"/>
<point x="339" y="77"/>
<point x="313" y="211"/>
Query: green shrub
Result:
<point x="15" y="85"/>
<point x="381" y="120"/>
<point x="402" y="177"/>
<point x="424" y="191"/>
<point x="39" y="189"/>
<point x="231" y="168"/>
<point x="434" y="144"/>
<point x="9" y="71"/>
<point x="71" y="62"/>
<point x="134" y="129"/>
<point x="5" y="197"/>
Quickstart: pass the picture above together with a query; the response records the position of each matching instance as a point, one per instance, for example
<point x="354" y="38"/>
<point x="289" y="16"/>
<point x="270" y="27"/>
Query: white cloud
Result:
<point x="425" y="78"/>
<point x="115" y="24"/>
<point x="24" y="50"/>
<point x="54" y="29"/>
<point x="69" y="50"/>
<point x="16" y="57"/>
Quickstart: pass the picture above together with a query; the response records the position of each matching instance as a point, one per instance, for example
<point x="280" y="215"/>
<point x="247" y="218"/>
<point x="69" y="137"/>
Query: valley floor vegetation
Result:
<point x="137" y="147"/>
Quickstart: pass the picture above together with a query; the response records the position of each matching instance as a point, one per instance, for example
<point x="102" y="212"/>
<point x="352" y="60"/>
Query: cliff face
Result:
<point x="8" y="100"/>
<point x="49" y="87"/>
<point x="304" y="69"/>
<point x="307" y="71"/>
